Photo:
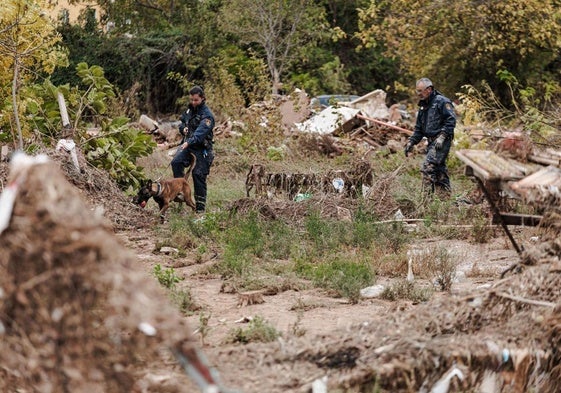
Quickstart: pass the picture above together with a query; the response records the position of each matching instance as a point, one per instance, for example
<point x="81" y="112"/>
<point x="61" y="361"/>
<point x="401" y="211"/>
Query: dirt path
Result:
<point x="313" y="312"/>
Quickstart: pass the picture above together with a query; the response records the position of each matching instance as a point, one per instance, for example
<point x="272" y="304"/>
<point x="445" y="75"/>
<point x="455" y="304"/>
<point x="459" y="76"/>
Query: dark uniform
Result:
<point x="196" y="127"/>
<point x="435" y="118"/>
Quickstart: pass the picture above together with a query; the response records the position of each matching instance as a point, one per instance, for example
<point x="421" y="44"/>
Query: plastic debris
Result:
<point x="372" y="291"/>
<point x="443" y="384"/>
<point x="69" y="146"/>
<point x="338" y="184"/>
<point x="320" y="385"/>
<point x="302" y="197"/>
<point x="19" y="166"/>
<point x="147" y="329"/>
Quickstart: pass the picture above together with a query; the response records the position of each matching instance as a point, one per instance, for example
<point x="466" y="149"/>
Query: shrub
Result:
<point x="403" y="289"/>
<point x="258" y="330"/>
<point x="345" y="277"/>
<point x="166" y="277"/>
<point x="184" y="301"/>
<point x="436" y="264"/>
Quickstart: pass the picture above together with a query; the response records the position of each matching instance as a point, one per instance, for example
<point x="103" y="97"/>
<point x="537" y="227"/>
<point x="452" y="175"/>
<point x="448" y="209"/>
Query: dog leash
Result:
<point x="162" y="172"/>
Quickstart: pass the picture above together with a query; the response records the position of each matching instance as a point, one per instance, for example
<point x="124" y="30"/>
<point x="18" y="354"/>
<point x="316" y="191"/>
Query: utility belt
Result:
<point x="206" y="145"/>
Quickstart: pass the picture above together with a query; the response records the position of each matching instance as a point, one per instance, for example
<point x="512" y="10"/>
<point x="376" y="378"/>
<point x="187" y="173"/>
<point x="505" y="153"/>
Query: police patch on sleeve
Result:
<point x="448" y="106"/>
<point x="207" y="122"/>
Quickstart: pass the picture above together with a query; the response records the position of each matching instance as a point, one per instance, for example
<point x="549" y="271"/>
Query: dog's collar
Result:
<point x="159" y="191"/>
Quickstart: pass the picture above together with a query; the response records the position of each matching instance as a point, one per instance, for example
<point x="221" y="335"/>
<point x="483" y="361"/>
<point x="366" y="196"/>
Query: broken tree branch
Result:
<point x="524" y="300"/>
<point x="383" y="123"/>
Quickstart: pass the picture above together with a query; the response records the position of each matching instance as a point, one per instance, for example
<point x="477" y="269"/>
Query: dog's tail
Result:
<point x="193" y="163"/>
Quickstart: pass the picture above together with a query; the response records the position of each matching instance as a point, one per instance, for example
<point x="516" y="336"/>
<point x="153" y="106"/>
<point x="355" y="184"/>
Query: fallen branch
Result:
<point x="383" y="123"/>
<point x="524" y="300"/>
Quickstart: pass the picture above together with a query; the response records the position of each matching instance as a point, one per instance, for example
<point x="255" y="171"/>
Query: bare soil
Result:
<point x="323" y="314"/>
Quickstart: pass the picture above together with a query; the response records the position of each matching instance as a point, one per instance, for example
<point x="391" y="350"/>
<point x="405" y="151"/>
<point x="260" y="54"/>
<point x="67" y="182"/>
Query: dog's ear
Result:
<point x="148" y="183"/>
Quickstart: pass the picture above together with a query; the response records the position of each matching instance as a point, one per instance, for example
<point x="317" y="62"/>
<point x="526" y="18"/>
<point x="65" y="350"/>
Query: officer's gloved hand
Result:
<point x="182" y="129"/>
<point x="440" y="141"/>
<point x="408" y="148"/>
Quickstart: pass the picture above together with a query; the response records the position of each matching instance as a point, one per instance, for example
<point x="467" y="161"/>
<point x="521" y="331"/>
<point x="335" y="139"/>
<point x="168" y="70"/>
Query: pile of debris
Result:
<point x="351" y="183"/>
<point x="366" y="119"/>
<point x="77" y="312"/>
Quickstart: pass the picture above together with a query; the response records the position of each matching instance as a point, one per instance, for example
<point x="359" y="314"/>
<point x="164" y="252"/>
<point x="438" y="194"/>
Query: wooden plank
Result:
<point x="4" y="152"/>
<point x="544" y="160"/>
<point x="542" y="187"/>
<point x="383" y="123"/>
<point x="488" y="165"/>
<point x="474" y="169"/>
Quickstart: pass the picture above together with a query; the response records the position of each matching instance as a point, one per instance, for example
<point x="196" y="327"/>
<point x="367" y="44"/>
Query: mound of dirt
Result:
<point x="100" y="191"/>
<point x="77" y="313"/>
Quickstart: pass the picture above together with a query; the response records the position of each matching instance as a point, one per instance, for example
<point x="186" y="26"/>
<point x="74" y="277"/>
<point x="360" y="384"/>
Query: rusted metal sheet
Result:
<point x="542" y="187"/>
<point x="489" y="166"/>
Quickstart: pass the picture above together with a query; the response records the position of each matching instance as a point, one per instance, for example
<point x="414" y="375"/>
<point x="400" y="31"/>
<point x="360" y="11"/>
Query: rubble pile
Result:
<point x="77" y="312"/>
<point x="348" y="183"/>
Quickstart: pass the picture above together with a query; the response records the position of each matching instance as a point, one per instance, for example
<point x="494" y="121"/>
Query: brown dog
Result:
<point x="166" y="191"/>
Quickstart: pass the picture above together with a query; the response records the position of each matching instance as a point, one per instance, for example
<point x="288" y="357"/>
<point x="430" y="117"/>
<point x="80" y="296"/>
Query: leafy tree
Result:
<point x="117" y="149"/>
<point x="466" y="41"/>
<point x="27" y="49"/>
<point x="277" y="27"/>
<point x="117" y="146"/>
<point x="365" y="69"/>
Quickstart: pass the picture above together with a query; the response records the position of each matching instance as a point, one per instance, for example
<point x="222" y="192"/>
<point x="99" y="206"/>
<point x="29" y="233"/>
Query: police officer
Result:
<point x="436" y="121"/>
<point x="197" y="123"/>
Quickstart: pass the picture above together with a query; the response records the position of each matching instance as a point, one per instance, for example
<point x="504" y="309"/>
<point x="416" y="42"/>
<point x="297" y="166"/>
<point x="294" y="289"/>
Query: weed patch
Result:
<point x="436" y="264"/>
<point x="258" y="330"/>
<point x="403" y="289"/>
<point x="184" y="301"/>
<point x="343" y="276"/>
<point x="166" y="277"/>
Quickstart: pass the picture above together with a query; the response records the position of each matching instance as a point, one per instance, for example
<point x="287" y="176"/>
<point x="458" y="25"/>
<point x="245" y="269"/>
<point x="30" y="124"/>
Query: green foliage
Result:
<point x="116" y="151"/>
<point x="466" y="41"/>
<point x="275" y="153"/>
<point x="183" y="231"/>
<point x="329" y="77"/>
<point x="236" y="79"/>
<point x="258" y="330"/>
<point x="28" y="50"/>
<point x="322" y="233"/>
<point x="526" y="107"/>
<point x="166" y="277"/>
<point x="481" y="231"/>
<point x="297" y="24"/>
<point x="86" y="103"/>
<point x="345" y="277"/>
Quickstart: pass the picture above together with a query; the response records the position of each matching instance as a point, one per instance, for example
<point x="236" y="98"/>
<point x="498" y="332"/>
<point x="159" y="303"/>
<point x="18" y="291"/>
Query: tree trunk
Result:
<point x="15" y="101"/>
<point x="276" y="81"/>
